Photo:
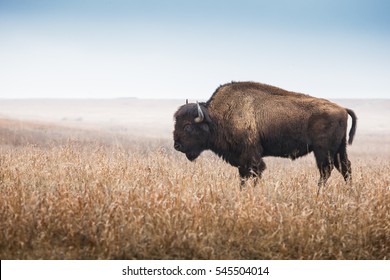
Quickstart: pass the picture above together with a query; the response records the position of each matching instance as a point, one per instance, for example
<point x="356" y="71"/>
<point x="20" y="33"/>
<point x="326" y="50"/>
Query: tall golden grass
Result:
<point x="109" y="197"/>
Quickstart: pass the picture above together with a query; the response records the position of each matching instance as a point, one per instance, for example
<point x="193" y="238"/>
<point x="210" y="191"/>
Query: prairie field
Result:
<point x="72" y="191"/>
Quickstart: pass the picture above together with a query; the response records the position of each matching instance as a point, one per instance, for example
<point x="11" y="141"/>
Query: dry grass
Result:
<point x="96" y="198"/>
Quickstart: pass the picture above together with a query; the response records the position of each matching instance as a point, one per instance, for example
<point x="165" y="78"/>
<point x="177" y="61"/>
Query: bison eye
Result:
<point x="188" y="128"/>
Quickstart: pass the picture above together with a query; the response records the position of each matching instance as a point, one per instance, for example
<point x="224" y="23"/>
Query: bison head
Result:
<point x="192" y="132"/>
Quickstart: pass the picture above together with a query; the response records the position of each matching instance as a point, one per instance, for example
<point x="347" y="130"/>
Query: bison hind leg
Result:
<point x="342" y="162"/>
<point x="325" y="165"/>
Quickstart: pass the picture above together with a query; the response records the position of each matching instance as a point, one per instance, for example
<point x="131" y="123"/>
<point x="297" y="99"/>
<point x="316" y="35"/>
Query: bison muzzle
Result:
<point x="243" y="122"/>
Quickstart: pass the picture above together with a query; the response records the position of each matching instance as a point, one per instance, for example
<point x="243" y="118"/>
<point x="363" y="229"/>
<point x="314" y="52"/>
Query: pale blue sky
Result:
<point x="185" y="49"/>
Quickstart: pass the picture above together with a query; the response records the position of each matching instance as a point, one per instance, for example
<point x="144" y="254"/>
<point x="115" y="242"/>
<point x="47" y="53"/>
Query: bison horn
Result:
<point x="186" y="101"/>
<point x="200" y="116"/>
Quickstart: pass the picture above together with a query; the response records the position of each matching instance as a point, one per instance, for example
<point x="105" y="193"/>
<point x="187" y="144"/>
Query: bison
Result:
<point x="243" y="122"/>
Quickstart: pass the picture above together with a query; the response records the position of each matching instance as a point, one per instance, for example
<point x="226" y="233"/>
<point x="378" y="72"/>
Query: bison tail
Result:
<point x="353" y="128"/>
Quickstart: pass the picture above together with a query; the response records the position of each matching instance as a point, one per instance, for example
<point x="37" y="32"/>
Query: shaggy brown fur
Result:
<point x="246" y="121"/>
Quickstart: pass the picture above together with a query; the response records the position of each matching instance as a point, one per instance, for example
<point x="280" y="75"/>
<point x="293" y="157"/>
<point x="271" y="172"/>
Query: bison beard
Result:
<point x="192" y="156"/>
<point x="246" y="121"/>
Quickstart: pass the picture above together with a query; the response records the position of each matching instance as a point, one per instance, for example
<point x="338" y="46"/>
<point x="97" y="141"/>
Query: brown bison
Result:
<point x="243" y="122"/>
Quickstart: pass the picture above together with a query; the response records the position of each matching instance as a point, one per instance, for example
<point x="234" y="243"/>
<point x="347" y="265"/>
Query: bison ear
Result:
<point x="205" y="127"/>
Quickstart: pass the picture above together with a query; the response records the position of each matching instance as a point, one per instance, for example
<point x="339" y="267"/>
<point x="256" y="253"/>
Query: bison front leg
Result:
<point x="251" y="171"/>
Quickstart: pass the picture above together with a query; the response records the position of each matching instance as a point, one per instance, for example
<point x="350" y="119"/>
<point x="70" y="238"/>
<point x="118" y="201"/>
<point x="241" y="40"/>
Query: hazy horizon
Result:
<point x="153" y="117"/>
<point x="186" y="49"/>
